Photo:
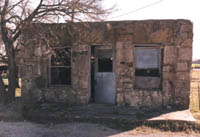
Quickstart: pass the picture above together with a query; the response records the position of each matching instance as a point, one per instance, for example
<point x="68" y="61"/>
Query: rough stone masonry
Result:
<point x="151" y="61"/>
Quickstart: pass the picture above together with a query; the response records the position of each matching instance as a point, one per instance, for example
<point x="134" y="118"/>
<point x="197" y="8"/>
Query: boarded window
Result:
<point x="147" y="68"/>
<point x="61" y="66"/>
<point x="146" y="58"/>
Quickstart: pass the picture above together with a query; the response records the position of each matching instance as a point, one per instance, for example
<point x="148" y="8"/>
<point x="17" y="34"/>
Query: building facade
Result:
<point x="144" y="64"/>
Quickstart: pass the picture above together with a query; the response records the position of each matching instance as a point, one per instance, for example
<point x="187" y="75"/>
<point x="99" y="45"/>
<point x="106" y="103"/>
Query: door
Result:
<point x="104" y="76"/>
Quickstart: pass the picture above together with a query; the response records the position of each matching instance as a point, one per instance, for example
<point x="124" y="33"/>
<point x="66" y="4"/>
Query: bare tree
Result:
<point x="16" y="14"/>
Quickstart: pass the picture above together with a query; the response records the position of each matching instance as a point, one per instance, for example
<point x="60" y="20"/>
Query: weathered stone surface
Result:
<point x="187" y="43"/>
<point x="120" y="98"/>
<point x="161" y="36"/>
<point x="182" y="97"/>
<point x="61" y="94"/>
<point x="185" y="54"/>
<point x="182" y="66"/>
<point x="183" y="76"/>
<point x="170" y="55"/>
<point x="183" y="83"/>
<point x="166" y="68"/>
<point x="146" y="99"/>
<point x="169" y="76"/>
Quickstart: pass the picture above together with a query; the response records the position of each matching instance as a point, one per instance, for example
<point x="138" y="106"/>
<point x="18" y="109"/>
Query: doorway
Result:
<point x="102" y="75"/>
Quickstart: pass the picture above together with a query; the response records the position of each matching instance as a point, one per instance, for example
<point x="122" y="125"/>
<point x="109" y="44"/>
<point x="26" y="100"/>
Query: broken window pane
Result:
<point x="61" y="66"/>
<point x="61" y="57"/>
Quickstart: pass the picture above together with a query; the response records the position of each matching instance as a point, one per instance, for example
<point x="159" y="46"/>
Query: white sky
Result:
<point x="160" y="9"/>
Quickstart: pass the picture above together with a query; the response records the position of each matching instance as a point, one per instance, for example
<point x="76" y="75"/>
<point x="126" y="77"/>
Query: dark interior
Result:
<point x="105" y="65"/>
<point x="92" y="64"/>
<point x="147" y="72"/>
<point x="61" y="75"/>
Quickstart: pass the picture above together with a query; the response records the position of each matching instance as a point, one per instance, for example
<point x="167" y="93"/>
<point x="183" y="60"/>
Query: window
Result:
<point x="105" y="60"/>
<point x="147" y="67"/>
<point x="105" y="65"/>
<point x="61" y="66"/>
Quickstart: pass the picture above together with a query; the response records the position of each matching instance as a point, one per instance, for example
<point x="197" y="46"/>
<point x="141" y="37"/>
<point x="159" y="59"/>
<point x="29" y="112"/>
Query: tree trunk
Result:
<point x="12" y="72"/>
<point x="12" y="80"/>
<point x="2" y="91"/>
<point x="8" y="40"/>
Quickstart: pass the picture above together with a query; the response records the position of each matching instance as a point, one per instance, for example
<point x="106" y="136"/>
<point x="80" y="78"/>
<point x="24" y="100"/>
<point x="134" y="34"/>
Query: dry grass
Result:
<point x="169" y="127"/>
<point x="195" y="65"/>
<point x="143" y="130"/>
<point x="195" y="94"/>
<point x="194" y="91"/>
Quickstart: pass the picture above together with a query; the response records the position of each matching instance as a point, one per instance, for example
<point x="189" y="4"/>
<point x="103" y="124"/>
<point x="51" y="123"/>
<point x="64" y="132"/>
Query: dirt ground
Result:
<point x="121" y="122"/>
<point x="28" y="129"/>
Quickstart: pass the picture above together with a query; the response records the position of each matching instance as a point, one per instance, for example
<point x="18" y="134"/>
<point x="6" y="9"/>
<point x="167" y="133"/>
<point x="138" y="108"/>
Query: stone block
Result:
<point x="50" y="95"/>
<point x="128" y="86"/>
<point x="157" y="98"/>
<point x="127" y="80"/>
<point x="166" y="68"/>
<point x="183" y="76"/>
<point x="128" y="52"/>
<point x="169" y="68"/>
<point x="147" y="101"/>
<point x="120" y="98"/>
<point x="182" y="66"/>
<point x="167" y="86"/>
<point x="161" y="36"/>
<point x="83" y="99"/>
<point x="124" y="52"/>
<point x="168" y="91"/>
<point x="135" y="100"/>
<point x="187" y="43"/>
<point x="119" y="89"/>
<point x="182" y="97"/>
<point x="183" y="84"/>
<point x="84" y="83"/>
<point x="128" y="97"/>
<point x="170" y="55"/>
<point x="185" y="54"/>
<point x="169" y="76"/>
<point x="186" y="28"/>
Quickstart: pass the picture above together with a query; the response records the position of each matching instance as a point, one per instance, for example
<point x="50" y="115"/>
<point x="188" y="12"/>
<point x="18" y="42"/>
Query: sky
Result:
<point x="159" y="9"/>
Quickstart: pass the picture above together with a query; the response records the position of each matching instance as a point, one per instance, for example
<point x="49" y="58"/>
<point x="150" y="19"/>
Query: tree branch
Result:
<point x="28" y="19"/>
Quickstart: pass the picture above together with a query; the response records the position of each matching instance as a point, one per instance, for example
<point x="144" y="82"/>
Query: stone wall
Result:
<point x="174" y="36"/>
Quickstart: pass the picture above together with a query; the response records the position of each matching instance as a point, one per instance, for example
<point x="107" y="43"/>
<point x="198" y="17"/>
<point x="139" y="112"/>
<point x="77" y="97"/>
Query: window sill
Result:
<point x="150" y="90"/>
<point x="59" y="86"/>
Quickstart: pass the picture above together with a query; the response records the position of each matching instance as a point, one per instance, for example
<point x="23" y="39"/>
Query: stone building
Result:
<point x="144" y="64"/>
